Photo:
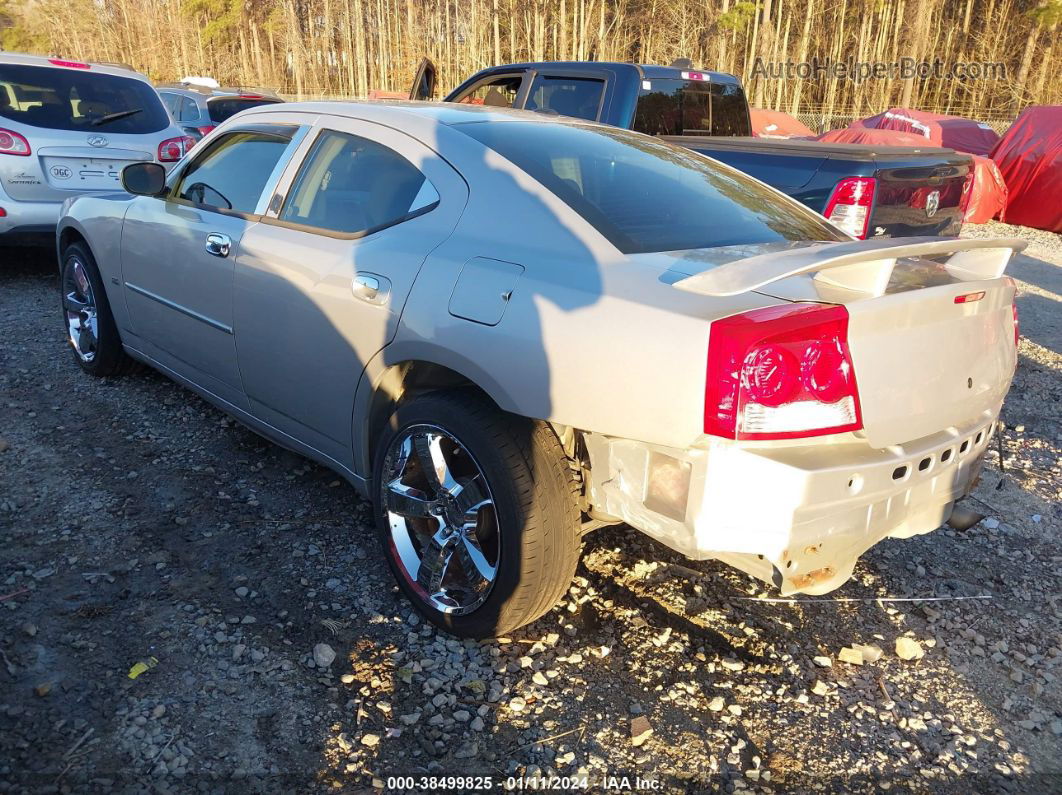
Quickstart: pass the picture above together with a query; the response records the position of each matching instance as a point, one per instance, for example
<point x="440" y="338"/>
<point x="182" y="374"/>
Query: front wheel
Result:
<point x="90" y="326"/>
<point x="476" y="513"/>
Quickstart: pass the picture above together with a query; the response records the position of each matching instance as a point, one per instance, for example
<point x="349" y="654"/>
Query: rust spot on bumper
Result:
<point x="802" y="581"/>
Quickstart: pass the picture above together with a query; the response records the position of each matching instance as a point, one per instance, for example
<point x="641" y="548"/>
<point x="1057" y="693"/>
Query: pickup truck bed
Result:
<point x="808" y="171"/>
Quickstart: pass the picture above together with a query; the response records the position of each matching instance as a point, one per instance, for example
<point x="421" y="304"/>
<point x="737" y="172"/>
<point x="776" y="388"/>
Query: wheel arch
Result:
<point x="67" y="234"/>
<point x="384" y="390"/>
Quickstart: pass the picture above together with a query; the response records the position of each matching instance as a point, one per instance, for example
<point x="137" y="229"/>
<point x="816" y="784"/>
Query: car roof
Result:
<point x="221" y="91"/>
<point x="649" y="71"/>
<point x="397" y="111"/>
<point x="675" y="73"/>
<point x="84" y="67"/>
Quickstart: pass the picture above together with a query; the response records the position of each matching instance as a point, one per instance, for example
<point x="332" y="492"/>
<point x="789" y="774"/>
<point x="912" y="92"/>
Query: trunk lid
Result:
<point x="931" y="322"/>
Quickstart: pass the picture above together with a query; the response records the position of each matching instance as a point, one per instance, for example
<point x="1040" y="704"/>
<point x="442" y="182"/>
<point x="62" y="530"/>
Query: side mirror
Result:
<point x="144" y="179"/>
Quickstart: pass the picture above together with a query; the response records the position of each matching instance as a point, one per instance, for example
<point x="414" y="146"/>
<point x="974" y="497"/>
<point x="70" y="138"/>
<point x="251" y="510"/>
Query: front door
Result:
<point x="179" y="252"/>
<point x="322" y="280"/>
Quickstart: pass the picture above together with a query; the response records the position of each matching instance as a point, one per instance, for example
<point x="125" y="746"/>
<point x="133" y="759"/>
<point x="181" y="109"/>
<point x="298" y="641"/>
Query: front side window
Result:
<point x="232" y="173"/>
<point x="498" y="92"/>
<point x="350" y="184"/>
<point x="569" y="96"/>
<point x="644" y="194"/>
<point x="79" y="99"/>
<point x="692" y="107"/>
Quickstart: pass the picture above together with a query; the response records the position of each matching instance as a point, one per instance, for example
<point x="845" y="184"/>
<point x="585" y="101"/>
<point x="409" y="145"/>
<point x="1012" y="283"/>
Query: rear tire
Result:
<point x="525" y="530"/>
<point x="90" y="327"/>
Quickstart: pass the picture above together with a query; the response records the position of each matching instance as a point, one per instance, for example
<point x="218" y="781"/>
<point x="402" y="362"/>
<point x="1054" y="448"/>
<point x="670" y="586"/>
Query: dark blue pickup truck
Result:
<point x="868" y="191"/>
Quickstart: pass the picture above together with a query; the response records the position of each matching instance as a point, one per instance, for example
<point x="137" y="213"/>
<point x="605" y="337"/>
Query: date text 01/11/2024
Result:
<point x="609" y="783"/>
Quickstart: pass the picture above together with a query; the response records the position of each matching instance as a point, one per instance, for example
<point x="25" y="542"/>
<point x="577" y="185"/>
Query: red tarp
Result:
<point x="988" y="193"/>
<point x="379" y="93"/>
<point x="775" y="124"/>
<point x="954" y="132"/>
<point x="872" y="137"/>
<point x="1029" y="156"/>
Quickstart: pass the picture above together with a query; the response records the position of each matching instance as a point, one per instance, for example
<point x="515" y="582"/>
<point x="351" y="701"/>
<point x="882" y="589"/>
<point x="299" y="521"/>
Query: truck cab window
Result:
<point x="498" y="92"/>
<point x="688" y="107"/>
<point x="569" y="96"/>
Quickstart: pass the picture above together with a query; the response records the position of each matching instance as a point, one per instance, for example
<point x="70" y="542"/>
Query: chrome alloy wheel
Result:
<point x="443" y="525"/>
<point x="79" y="307"/>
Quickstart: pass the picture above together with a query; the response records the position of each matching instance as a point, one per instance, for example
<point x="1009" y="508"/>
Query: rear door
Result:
<point x="322" y="280"/>
<point x="178" y="254"/>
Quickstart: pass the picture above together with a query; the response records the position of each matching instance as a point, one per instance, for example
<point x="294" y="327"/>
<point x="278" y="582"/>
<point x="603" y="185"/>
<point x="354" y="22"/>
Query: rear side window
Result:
<point x="568" y="96"/>
<point x="350" y="184"/>
<point x="689" y="107"/>
<point x="189" y="110"/>
<point x="221" y="108"/>
<point x="232" y="173"/>
<point x="79" y="99"/>
<point x="171" y="101"/>
<point x="644" y="194"/>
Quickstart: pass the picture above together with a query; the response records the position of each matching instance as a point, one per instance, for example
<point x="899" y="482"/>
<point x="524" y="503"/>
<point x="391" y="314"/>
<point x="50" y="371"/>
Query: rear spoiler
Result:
<point x="863" y="266"/>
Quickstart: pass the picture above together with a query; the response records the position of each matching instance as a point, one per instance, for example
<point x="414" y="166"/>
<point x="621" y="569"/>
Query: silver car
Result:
<point x="507" y="329"/>
<point x="200" y="108"/>
<point x="68" y="127"/>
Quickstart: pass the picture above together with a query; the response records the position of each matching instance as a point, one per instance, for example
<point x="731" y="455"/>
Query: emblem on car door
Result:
<point x="97" y="140"/>
<point x="932" y="203"/>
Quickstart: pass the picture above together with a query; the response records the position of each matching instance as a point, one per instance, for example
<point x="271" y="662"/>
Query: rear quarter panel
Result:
<point x="588" y="338"/>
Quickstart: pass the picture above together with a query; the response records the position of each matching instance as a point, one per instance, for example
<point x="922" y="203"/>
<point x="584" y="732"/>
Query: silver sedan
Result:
<point x="508" y="329"/>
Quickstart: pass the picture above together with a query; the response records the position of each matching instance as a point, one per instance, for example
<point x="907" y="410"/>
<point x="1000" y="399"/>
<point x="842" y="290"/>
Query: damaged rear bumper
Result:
<point x="796" y="516"/>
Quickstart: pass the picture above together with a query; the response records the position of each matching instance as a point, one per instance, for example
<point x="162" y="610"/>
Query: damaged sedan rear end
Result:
<point x="508" y="329"/>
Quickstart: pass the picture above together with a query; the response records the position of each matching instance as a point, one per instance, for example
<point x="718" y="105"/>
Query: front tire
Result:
<point x="476" y="513"/>
<point x="90" y="326"/>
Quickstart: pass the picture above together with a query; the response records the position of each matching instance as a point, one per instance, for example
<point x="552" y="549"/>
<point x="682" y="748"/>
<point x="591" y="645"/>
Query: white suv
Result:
<point x="67" y="128"/>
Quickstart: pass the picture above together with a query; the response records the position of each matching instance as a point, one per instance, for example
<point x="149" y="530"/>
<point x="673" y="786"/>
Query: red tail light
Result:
<point x="11" y="143"/>
<point x="205" y="129"/>
<point x="1017" y="327"/>
<point x="173" y="149"/>
<point x="69" y="64"/>
<point x="783" y="372"/>
<point x="3" y="213"/>
<point x="967" y="192"/>
<point x="850" y="203"/>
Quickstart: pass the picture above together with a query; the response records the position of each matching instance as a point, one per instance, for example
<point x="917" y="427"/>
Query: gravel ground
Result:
<point x="140" y="524"/>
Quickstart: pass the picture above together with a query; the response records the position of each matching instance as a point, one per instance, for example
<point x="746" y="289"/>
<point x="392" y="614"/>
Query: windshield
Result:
<point x="647" y="195"/>
<point x="689" y="107"/>
<point x="79" y="99"/>
<point x="221" y="108"/>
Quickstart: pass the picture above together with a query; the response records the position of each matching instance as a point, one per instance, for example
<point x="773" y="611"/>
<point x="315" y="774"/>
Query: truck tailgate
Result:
<point x="917" y="190"/>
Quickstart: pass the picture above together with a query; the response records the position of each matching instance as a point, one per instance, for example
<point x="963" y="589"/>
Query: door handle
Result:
<point x="370" y="288"/>
<point x="218" y="244"/>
